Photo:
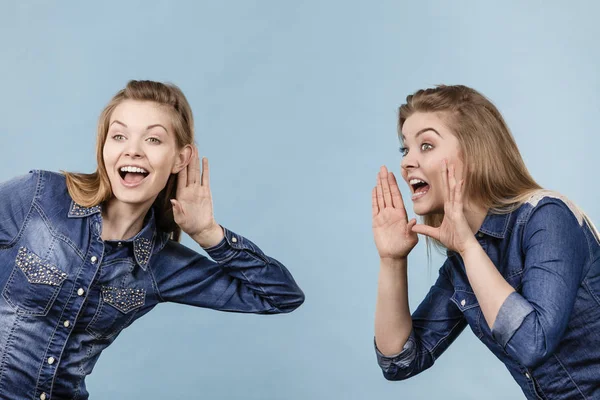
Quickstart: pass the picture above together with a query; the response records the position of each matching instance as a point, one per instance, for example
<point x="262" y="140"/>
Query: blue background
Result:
<point x="295" y="105"/>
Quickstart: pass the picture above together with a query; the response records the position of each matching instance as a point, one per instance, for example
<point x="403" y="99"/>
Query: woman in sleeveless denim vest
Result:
<point x="85" y="255"/>
<point x="523" y="265"/>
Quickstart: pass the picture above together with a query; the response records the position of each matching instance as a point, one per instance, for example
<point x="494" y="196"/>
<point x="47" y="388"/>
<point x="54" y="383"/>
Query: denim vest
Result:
<point x="547" y="332"/>
<point x="67" y="294"/>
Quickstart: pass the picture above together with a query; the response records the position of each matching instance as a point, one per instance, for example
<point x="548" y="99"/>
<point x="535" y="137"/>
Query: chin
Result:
<point x="131" y="199"/>
<point x="426" y="209"/>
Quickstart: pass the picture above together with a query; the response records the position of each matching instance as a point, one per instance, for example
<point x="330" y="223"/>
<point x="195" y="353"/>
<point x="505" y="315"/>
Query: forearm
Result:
<point x="393" y="322"/>
<point x="257" y="276"/>
<point x="491" y="289"/>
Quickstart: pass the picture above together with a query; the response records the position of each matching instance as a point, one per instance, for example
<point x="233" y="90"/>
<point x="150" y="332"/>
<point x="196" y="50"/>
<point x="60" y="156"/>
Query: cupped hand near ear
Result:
<point x="193" y="207"/>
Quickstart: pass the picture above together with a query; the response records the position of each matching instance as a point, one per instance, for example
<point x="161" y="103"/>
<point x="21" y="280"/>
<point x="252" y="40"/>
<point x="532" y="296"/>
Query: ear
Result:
<point x="184" y="157"/>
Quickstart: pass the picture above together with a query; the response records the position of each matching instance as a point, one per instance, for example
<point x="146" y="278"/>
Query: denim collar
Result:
<point x="495" y="225"/>
<point x="143" y="242"/>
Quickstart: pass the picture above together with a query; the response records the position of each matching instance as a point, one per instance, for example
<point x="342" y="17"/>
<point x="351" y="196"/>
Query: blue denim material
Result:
<point x="66" y="294"/>
<point x="547" y="333"/>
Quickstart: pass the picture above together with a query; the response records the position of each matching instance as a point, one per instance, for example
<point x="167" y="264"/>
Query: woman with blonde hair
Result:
<point x="85" y="255"/>
<point x="523" y="263"/>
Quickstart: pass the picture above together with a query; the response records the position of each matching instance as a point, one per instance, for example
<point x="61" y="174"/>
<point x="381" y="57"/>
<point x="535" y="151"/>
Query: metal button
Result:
<point x="51" y="360"/>
<point x="527" y="375"/>
<point x="94" y="259"/>
<point x="479" y="234"/>
<point x="80" y="291"/>
<point x="43" y="396"/>
<point x="234" y="239"/>
<point x="67" y="323"/>
<point x="463" y="302"/>
<point x="120" y="244"/>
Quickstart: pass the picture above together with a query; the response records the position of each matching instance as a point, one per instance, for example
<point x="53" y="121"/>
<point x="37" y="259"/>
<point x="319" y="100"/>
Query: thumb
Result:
<point x="427" y="231"/>
<point x="410" y="225"/>
<point x="177" y="210"/>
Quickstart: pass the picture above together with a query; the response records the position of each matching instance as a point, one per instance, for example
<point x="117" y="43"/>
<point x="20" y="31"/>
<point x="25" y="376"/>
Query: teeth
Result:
<point x="134" y="169"/>
<point x="415" y="181"/>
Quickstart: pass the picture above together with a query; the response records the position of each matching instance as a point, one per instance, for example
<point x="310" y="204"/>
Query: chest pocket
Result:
<point x="33" y="284"/>
<point x="116" y="309"/>
<point x="467" y="303"/>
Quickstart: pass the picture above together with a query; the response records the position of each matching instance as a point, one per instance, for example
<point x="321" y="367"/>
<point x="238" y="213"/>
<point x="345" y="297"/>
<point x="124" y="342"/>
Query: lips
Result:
<point x="419" y="187"/>
<point x="132" y="176"/>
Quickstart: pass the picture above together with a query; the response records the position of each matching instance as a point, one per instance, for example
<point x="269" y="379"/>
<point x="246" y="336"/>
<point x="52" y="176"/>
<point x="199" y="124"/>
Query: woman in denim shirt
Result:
<point x="85" y="255"/>
<point x="523" y="266"/>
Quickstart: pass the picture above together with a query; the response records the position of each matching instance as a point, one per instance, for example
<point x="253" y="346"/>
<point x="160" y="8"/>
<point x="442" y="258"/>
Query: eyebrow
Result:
<point x="116" y="121"/>
<point x="421" y="132"/>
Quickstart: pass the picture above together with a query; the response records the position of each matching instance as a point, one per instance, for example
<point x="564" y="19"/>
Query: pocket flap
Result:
<point x="37" y="270"/>
<point x="123" y="299"/>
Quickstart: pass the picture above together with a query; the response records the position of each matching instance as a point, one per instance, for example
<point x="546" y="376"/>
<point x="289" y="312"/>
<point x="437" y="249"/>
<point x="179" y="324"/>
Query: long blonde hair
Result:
<point x="89" y="190"/>
<point x="496" y="177"/>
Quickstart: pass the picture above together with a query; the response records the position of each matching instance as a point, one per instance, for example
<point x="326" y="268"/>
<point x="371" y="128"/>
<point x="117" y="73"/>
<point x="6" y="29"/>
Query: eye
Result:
<point x="154" y="140"/>
<point x="118" y="137"/>
<point x="426" y="147"/>
<point x="403" y="151"/>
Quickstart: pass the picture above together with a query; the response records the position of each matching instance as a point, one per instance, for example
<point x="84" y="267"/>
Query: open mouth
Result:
<point x="133" y="176"/>
<point x="419" y="188"/>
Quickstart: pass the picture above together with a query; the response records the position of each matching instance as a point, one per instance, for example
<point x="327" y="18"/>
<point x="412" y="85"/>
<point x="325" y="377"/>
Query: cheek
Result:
<point x="107" y="155"/>
<point x="404" y="173"/>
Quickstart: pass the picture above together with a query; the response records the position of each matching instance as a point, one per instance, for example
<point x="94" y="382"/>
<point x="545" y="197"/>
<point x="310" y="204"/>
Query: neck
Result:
<point x="475" y="216"/>
<point x="122" y="221"/>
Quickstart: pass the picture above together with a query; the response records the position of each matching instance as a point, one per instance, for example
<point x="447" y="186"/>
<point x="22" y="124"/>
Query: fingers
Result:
<point x="182" y="179"/>
<point x="374" y="205"/>
<point x="385" y="185"/>
<point x="451" y="183"/>
<point x="193" y="172"/>
<point x="379" y="190"/>
<point x="197" y="171"/>
<point x="395" y="190"/>
<point x="397" y="200"/>
<point x="426" y="230"/>
<point x="205" y="173"/>
<point x="459" y="193"/>
<point x="445" y="188"/>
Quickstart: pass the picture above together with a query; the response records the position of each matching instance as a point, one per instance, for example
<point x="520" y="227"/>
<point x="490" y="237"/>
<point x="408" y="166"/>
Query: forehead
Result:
<point x="419" y="121"/>
<point x="133" y="112"/>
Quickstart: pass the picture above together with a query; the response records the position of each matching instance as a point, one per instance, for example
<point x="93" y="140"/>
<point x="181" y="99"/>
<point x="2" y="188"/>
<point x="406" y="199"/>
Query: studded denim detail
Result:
<point x="141" y="249"/>
<point x="37" y="270"/>
<point x="80" y="211"/>
<point x="124" y="299"/>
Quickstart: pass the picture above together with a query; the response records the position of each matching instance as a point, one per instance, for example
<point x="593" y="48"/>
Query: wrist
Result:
<point x="396" y="262"/>
<point x="209" y="237"/>
<point x="470" y="247"/>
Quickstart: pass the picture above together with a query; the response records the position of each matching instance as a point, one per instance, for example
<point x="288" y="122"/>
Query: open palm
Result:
<point x="193" y="208"/>
<point x="392" y="231"/>
<point x="454" y="232"/>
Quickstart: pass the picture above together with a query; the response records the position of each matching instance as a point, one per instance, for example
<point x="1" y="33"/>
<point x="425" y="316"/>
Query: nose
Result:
<point x="409" y="162"/>
<point x="134" y="149"/>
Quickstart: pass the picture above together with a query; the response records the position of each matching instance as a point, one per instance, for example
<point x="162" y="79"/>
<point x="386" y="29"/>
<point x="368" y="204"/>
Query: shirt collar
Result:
<point x="143" y="242"/>
<point x="495" y="225"/>
<point x="77" y="211"/>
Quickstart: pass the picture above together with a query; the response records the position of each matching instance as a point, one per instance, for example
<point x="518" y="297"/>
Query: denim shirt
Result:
<point x="547" y="332"/>
<point x="67" y="294"/>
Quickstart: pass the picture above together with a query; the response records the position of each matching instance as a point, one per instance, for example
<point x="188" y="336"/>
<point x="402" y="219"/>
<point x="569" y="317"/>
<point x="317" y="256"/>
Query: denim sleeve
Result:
<point x="16" y="200"/>
<point x="437" y="322"/>
<point x="243" y="279"/>
<point x="531" y="323"/>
